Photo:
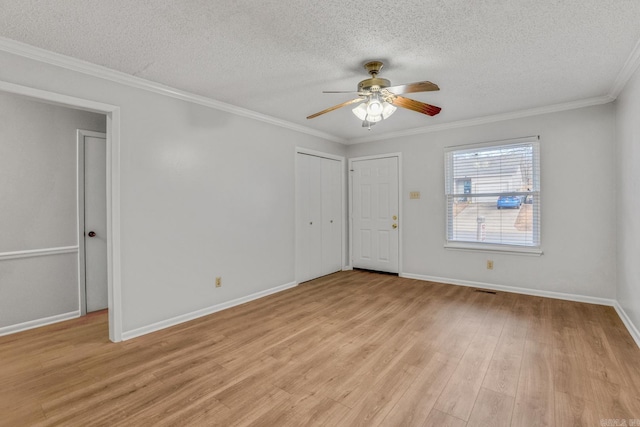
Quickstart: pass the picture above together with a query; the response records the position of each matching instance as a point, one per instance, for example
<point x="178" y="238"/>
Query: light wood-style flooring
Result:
<point x="350" y="349"/>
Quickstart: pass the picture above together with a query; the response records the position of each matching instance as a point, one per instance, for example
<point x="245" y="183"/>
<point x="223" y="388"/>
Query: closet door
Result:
<point x="309" y="207"/>
<point x="331" y="216"/>
<point x="319" y="217"/>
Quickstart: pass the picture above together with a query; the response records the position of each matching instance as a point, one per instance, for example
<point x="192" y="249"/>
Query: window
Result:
<point x="493" y="196"/>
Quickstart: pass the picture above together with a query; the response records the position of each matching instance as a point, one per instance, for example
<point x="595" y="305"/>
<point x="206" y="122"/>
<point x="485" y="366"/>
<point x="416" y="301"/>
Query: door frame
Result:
<point x="114" y="257"/>
<point x="400" y="217"/>
<point x="343" y="209"/>
<point x="82" y="284"/>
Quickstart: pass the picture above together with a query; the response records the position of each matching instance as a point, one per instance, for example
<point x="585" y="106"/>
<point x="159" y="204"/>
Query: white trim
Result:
<point x="374" y="157"/>
<point x="113" y="188"/>
<point x="512" y="289"/>
<point x="56" y="98"/>
<point x="635" y="334"/>
<point x="497" y="247"/>
<point x="322" y="154"/>
<point x="486" y="119"/>
<point x="398" y="155"/>
<point x="628" y="69"/>
<point x="347" y="268"/>
<point x="38" y="323"/>
<point x="38" y="252"/>
<point x="114" y="255"/>
<point x="99" y="71"/>
<point x="488" y="144"/>
<point x="203" y="312"/>
<point x="82" y="297"/>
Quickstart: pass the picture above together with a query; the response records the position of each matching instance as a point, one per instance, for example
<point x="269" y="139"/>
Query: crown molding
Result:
<point x="628" y="69"/>
<point x="22" y="49"/>
<point x="486" y="119"/>
<point x="78" y="65"/>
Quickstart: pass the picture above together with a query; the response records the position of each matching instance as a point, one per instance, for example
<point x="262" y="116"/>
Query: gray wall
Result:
<point x="628" y="202"/>
<point x="38" y="169"/>
<point x="578" y="199"/>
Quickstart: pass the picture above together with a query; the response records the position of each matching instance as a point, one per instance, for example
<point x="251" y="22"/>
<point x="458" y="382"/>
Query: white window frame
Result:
<point x="450" y="192"/>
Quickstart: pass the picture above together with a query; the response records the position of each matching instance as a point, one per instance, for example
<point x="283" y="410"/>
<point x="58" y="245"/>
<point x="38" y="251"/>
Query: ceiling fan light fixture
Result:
<point x="374" y="110"/>
<point x="378" y="100"/>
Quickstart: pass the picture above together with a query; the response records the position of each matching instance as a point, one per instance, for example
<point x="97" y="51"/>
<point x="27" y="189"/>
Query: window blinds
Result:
<point x="493" y="193"/>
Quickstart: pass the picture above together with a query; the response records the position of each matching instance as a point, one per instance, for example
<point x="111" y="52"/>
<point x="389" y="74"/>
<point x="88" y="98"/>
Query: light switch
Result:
<point x="414" y="195"/>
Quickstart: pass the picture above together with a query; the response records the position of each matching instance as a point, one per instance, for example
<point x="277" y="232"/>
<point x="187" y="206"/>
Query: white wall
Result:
<point x="204" y="193"/>
<point x="628" y="201"/>
<point x="578" y="204"/>
<point x="38" y="210"/>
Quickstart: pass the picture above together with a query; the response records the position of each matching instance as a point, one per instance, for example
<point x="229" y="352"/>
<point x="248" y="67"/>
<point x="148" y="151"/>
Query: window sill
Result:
<point x="484" y="247"/>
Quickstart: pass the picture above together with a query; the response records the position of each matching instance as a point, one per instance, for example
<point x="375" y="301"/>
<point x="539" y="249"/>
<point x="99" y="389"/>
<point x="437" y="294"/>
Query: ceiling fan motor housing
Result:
<point x="367" y="84"/>
<point x="373" y="68"/>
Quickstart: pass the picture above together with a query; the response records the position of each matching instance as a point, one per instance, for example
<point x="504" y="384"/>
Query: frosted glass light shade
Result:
<point x="374" y="108"/>
<point x="387" y="109"/>
<point x="362" y="112"/>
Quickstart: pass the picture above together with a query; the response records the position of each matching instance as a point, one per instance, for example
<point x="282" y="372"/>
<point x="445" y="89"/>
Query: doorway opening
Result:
<point x="112" y="203"/>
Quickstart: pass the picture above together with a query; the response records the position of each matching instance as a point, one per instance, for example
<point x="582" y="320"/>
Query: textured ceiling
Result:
<point x="277" y="56"/>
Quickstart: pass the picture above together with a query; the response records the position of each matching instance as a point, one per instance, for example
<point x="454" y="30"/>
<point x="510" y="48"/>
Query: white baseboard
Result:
<point x="635" y="334"/>
<point x="347" y="268"/>
<point x="513" y="289"/>
<point x="536" y="292"/>
<point x="31" y="324"/>
<point x="203" y="312"/>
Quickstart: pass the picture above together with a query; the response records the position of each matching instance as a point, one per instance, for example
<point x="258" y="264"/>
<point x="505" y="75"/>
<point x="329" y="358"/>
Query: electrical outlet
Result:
<point x="489" y="264"/>
<point x="218" y="282"/>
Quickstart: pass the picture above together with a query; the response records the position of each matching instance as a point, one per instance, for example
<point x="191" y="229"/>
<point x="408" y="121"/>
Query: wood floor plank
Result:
<point x="491" y="409"/>
<point x="351" y="348"/>
<point x="573" y="411"/>
<point x="615" y="401"/>
<point x="418" y="401"/>
<point x="460" y="393"/>
<point x="534" y="404"/>
<point x="440" y="419"/>
<point x="504" y="368"/>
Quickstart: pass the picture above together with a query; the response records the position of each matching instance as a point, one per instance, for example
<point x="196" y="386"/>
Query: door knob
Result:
<point x="395" y="226"/>
<point x="92" y="234"/>
<point x="395" y="217"/>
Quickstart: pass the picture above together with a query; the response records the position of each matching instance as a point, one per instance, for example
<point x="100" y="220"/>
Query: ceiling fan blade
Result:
<point x="414" y="87"/>
<point x="412" y="104"/>
<point x="347" y="91"/>
<point x="335" y="107"/>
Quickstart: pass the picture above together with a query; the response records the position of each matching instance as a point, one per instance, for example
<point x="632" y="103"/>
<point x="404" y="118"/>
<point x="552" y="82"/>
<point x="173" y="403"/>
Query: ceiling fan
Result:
<point x="379" y="100"/>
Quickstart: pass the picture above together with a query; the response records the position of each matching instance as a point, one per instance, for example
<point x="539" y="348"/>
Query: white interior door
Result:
<point x="375" y="214"/>
<point x="95" y="221"/>
<point x="319" y="216"/>
<point x="309" y="230"/>
<point x="331" y="216"/>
